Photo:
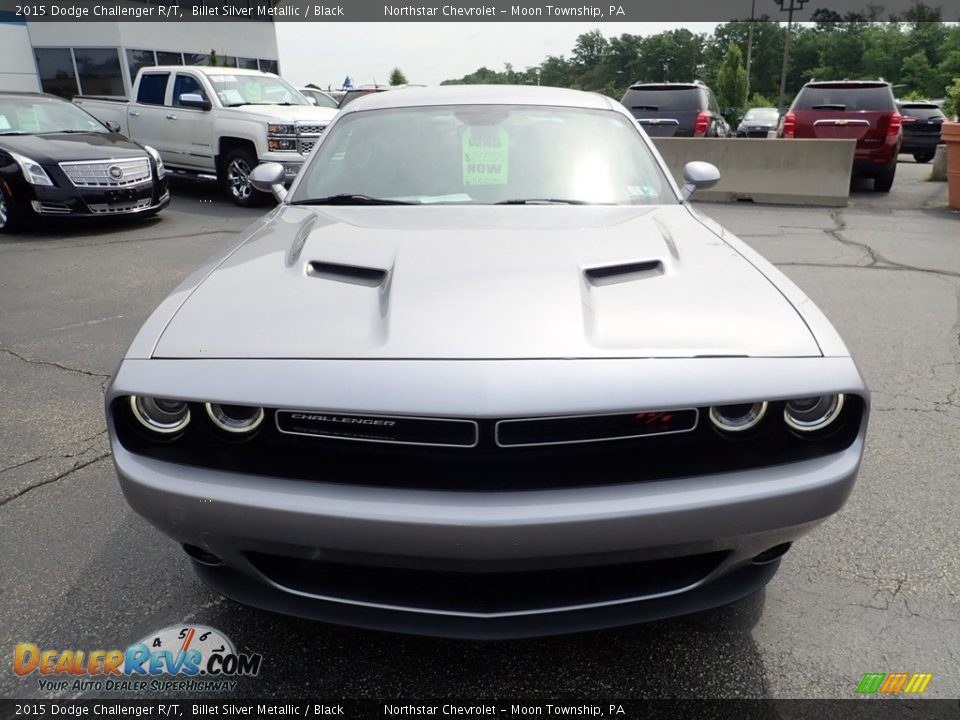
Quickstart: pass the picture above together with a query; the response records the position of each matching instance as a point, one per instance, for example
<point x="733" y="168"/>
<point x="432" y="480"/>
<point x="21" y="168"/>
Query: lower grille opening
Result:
<point x="486" y="592"/>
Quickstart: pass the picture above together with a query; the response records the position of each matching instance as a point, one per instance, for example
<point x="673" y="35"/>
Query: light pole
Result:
<point x="753" y="6"/>
<point x="791" y="7"/>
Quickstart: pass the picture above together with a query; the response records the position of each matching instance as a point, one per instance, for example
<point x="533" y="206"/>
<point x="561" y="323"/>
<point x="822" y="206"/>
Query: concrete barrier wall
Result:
<point x="787" y="172"/>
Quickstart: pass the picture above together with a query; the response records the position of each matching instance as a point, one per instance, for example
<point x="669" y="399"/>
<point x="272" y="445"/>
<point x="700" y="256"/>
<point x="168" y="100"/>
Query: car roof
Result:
<point x="483" y="95"/>
<point x="666" y="85"/>
<point x="207" y="69"/>
<point x="851" y="84"/>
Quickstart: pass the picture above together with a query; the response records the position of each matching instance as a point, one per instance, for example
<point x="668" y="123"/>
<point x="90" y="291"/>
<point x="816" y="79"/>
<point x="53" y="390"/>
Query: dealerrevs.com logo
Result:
<point x="181" y="658"/>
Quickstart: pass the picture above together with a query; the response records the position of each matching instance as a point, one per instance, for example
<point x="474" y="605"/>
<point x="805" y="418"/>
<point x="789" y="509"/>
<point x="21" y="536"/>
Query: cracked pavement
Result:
<point x="874" y="589"/>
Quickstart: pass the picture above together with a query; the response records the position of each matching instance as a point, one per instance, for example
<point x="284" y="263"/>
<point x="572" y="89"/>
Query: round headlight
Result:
<point x="237" y="419"/>
<point x="737" y="418"/>
<point x="812" y="413"/>
<point x="159" y="415"/>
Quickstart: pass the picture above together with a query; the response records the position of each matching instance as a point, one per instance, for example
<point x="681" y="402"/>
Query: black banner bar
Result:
<point x="859" y="709"/>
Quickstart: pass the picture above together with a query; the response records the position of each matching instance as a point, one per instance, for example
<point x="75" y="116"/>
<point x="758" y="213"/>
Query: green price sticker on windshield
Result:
<point x="29" y="119"/>
<point x="253" y="91"/>
<point x="485" y="154"/>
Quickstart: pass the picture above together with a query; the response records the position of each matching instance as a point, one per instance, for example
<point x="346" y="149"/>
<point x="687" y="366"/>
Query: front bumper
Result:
<point x="698" y="535"/>
<point x="71" y="202"/>
<point x="732" y="517"/>
<point x="292" y="162"/>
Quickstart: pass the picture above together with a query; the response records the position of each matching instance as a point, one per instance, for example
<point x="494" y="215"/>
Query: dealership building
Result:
<point x="102" y="58"/>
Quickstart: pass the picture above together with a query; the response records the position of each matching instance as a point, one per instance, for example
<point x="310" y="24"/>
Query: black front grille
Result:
<point x="487" y="466"/>
<point x="591" y="428"/>
<point x="482" y="591"/>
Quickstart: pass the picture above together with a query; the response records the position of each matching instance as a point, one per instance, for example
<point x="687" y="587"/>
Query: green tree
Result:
<point x="731" y="86"/>
<point x="556" y="72"/>
<point x="916" y="75"/>
<point x="397" y="77"/>
<point x="951" y="105"/>
<point x="589" y="49"/>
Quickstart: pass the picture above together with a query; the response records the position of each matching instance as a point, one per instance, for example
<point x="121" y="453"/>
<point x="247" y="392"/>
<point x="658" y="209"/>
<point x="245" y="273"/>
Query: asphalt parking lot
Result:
<point x="875" y="589"/>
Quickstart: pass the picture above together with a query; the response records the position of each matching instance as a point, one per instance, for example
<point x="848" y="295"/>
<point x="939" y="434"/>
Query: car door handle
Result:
<point x="171" y="117"/>
<point x="134" y="113"/>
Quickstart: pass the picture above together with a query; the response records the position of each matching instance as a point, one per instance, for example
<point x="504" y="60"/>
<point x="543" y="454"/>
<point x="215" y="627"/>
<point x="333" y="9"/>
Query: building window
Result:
<point x="153" y="88"/>
<point x="196" y="59"/>
<point x="137" y="59"/>
<point x="169" y="58"/>
<point x="248" y="63"/>
<point x="270" y="66"/>
<point x="226" y="61"/>
<point x="99" y="70"/>
<point x="57" y="74"/>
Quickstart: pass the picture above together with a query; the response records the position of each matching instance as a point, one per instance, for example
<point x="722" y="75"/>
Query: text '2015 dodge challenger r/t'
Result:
<point x="485" y="373"/>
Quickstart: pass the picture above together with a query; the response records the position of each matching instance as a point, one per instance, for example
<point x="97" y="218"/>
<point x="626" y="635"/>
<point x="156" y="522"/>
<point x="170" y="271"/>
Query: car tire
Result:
<point x="923" y="157"/>
<point x="9" y="220"/>
<point x="884" y="181"/>
<point x="235" y="178"/>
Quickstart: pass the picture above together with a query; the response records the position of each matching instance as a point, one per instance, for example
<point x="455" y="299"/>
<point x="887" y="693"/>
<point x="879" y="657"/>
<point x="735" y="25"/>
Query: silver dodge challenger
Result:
<point x="485" y="373"/>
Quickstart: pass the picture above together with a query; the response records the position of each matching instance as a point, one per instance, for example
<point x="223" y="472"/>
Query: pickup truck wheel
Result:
<point x="237" y="167"/>
<point x="9" y="222"/>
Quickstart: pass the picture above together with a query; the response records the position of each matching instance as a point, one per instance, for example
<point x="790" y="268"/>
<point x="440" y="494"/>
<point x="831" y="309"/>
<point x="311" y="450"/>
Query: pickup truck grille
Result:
<point x="107" y="173"/>
<point x="308" y="135"/>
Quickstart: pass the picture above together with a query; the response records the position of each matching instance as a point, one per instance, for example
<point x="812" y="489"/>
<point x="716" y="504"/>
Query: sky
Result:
<point x="428" y="53"/>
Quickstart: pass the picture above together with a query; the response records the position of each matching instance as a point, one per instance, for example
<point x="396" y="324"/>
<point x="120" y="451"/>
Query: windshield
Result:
<point x="761" y="115"/>
<point x="236" y="90"/>
<point x="30" y="116"/>
<point x="484" y="154"/>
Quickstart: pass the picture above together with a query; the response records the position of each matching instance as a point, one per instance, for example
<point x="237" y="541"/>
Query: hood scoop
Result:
<point x="623" y="272"/>
<point x="352" y="274"/>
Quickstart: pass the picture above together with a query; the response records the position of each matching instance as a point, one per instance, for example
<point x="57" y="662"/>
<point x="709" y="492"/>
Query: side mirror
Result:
<point x="698" y="176"/>
<point x="194" y="100"/>
<point x="113" y="126"/>
<point x="269" y="177"/>
<point x="312" y="100"/>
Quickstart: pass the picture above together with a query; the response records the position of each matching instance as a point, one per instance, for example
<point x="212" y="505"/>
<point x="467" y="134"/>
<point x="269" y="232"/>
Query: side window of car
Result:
<point x="153" y="88"/>
<point x="186" y="85"/>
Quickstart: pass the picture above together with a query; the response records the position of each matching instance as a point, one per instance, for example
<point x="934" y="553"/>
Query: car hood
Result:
<point x="482" y="282"/>
<point x="60" y="147"/>
<point x="290" y="113"/>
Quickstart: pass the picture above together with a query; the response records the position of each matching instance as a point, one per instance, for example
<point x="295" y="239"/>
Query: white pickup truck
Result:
<point x="216" y="122"/>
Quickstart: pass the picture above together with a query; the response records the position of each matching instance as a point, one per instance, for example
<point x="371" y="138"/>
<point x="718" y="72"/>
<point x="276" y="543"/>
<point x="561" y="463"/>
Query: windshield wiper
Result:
<point x="65" y="132"/>
<point x="828" y="106"/>
<point x="352" y="199"/>
<point x="546" y="201"/>
<point x="15" y="132"/>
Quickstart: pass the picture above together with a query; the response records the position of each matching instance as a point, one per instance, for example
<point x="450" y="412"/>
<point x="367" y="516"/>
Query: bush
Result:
<point x="951" y="106"/>
<point x="758" y="100"/>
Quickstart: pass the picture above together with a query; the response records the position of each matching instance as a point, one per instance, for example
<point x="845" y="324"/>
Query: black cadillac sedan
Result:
<point x="58" y="161"/>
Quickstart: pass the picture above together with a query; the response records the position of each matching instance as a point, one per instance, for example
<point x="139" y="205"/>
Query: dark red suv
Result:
<point x="864" y="110"/>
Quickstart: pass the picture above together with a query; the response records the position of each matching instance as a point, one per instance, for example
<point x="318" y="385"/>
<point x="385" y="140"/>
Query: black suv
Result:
<point x="676" y="110"/>
<point x="921" y="128"/>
